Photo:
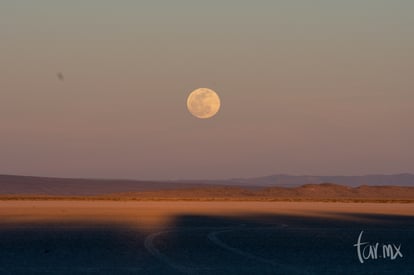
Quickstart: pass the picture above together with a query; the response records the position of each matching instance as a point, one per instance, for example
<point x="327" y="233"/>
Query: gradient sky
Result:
<point x="307" y="87"/>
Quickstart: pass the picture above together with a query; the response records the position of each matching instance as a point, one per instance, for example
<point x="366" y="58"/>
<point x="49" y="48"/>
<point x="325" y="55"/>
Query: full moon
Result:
<point x="203" y="103"/>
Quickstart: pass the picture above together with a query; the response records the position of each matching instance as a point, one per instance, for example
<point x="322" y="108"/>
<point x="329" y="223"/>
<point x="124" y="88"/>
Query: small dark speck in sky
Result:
<point x="60" y="76"/>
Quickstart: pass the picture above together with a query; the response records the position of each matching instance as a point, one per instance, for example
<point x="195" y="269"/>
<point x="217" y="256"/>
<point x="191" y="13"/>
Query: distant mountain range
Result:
<point x="26" y="185"/>
<point x="353" y="181"/>
<point x="70" y="186"/>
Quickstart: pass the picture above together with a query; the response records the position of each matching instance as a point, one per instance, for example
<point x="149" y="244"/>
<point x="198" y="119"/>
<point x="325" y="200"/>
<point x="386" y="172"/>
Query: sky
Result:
<point x="307" y="87"/>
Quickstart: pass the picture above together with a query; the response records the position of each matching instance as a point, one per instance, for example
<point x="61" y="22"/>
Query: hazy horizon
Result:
<point x="213" y="179"/>
<point x="317" y="88"/>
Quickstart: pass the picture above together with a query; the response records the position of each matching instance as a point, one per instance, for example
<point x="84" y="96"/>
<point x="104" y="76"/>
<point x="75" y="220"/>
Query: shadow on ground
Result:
<point x="261" y="244"/>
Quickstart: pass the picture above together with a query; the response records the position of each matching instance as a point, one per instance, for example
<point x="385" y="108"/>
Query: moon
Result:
<point x="203" y="103"/>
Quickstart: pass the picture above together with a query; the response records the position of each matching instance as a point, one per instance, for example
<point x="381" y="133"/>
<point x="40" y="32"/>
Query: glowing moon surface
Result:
<point x="203" y="103"/>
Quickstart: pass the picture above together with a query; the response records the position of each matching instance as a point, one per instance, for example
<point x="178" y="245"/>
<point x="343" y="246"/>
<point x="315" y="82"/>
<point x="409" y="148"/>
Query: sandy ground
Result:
<point x="106" y="237"/>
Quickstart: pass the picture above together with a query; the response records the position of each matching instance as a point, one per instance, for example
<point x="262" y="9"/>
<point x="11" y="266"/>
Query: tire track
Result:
<point x="213" y="237"/>
<point x="153" y="250"/>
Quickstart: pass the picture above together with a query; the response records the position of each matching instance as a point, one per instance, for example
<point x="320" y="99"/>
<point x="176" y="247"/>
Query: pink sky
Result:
<point x="306" y="89"/>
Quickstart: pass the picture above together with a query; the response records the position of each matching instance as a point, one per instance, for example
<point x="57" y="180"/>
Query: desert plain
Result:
<point x="201" y="237"/>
